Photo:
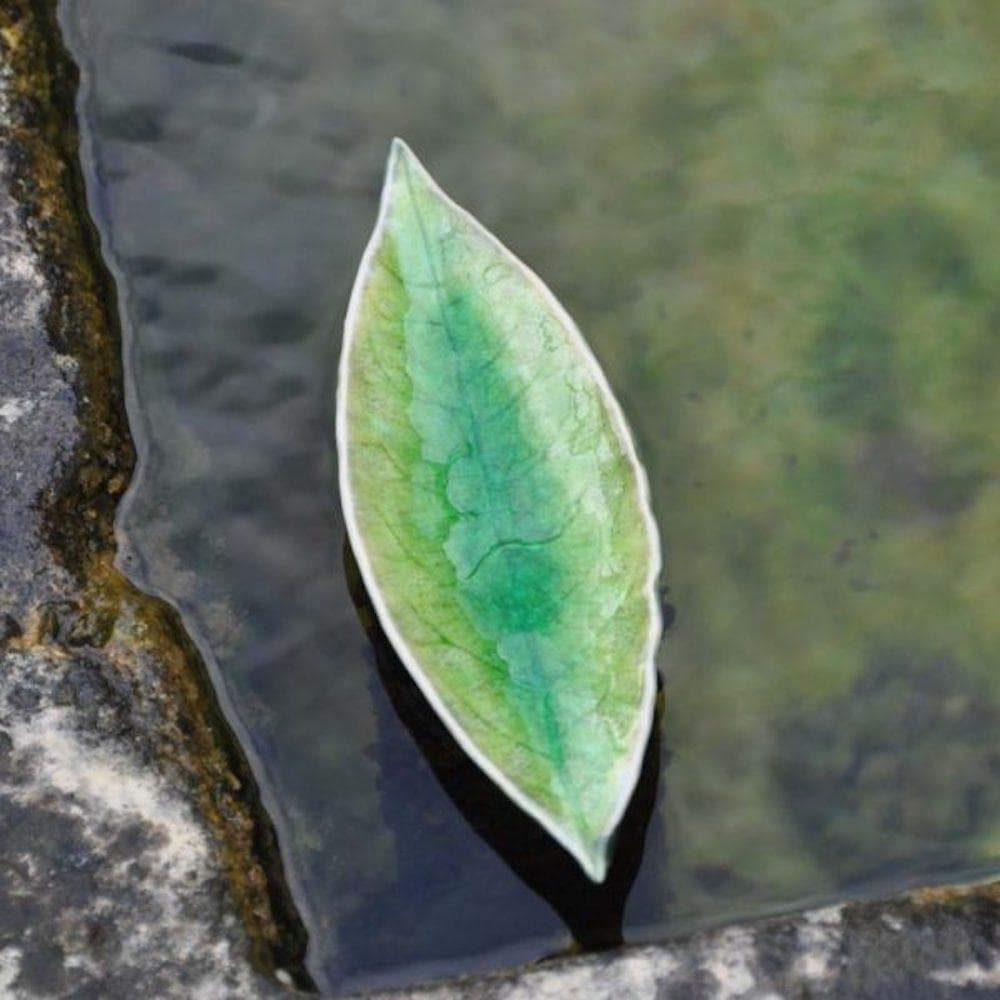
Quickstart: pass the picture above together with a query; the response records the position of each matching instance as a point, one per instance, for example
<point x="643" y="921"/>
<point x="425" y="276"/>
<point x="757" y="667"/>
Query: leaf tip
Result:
<point x="400" y="155"/>
<point x="597" y="867"/>
<point x="398" y="147"/>
<point x="404" y="166"/>
<point x="593" y="859"/>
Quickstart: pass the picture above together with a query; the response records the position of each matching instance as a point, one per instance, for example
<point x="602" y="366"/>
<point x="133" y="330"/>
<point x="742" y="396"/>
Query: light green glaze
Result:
<point x="498" y="513"/>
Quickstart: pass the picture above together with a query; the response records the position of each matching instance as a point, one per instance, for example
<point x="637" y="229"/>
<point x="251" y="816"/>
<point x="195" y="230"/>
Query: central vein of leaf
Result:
<point x="505" y="571"/>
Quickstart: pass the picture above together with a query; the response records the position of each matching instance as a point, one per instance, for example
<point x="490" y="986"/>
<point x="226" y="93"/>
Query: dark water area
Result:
<point x="776" y="225"/>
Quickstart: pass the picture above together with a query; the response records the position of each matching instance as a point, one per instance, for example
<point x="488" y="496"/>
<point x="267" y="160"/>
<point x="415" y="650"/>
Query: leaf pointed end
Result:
<point x="593" y="859"/>
<point x="404" y="165"/>
<point x="399" y="149"/>
<point x="401" y="156"/>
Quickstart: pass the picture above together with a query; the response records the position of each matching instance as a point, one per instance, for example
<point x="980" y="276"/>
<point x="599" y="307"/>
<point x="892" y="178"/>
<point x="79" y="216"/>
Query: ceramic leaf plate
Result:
<point x="498" y="513"/>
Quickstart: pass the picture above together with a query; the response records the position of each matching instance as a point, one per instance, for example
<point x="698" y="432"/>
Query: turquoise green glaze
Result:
<point x="498" y="513"/>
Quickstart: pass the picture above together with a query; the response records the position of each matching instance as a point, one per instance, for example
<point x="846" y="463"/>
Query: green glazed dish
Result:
<point x="498" y="513"/>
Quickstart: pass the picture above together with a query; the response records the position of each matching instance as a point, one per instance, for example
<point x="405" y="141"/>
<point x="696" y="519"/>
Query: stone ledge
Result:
<point x="109" y="881"/>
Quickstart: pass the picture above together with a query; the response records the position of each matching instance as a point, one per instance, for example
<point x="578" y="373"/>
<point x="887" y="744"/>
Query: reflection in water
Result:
<point x="593" y="913"/>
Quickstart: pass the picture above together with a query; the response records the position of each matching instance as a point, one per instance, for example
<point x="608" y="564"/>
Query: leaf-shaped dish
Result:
<point x="498" y="512"/>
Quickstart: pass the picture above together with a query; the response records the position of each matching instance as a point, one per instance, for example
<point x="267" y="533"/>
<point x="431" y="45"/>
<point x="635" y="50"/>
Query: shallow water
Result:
<point x="776" y="224"/>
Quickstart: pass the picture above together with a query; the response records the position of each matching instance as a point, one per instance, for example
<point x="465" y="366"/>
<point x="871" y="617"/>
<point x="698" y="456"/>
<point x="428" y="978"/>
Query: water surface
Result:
<point x="775" y="222"/>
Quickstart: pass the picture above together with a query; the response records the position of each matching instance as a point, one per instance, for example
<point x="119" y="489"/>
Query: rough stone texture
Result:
<point x="110" y="886"/>
<point x="37" y="424"/>
<point x="937" y="943"/>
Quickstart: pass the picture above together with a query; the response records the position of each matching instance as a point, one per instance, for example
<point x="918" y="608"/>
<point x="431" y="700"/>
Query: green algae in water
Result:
<point x="498" y="513"/>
